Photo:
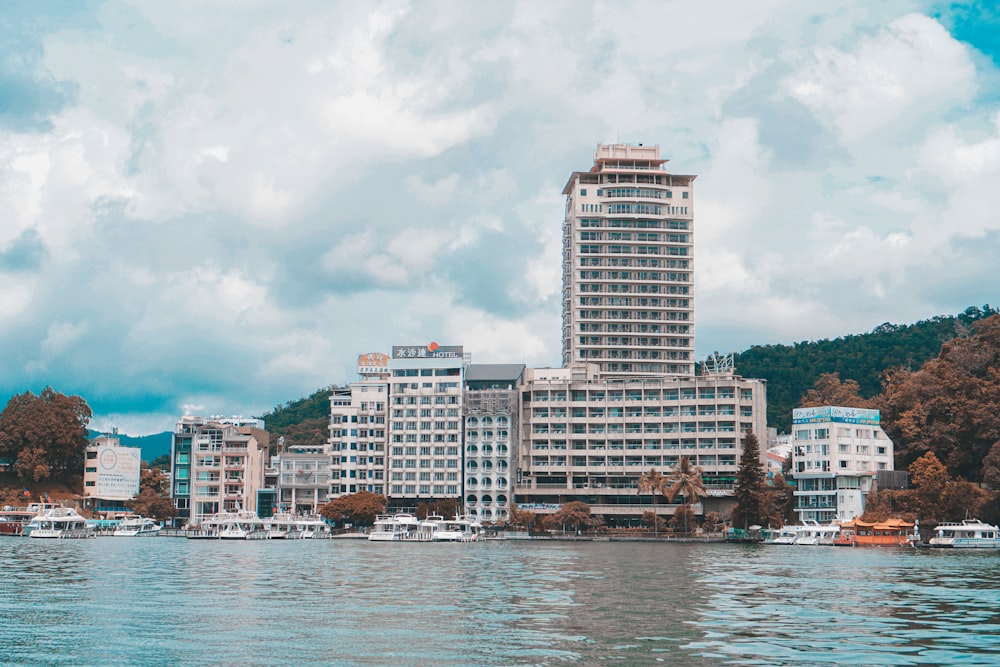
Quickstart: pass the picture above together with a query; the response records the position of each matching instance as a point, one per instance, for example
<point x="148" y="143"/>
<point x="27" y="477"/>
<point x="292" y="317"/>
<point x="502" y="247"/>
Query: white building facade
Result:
<point x="837" y="453"/>
<point x="628" y="265"/>
<point x="359" y="430"/>
<point x="426" y="388"/>
<point x="587" y="437"/>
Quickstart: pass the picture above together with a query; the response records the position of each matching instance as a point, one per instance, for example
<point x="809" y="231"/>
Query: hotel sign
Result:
<point x="835" y="414"/>
<point x="373" y="363"/>
<point x="430" y="351"/>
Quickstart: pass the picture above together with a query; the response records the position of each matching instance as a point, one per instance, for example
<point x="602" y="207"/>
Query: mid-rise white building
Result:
<point x="837" y="453"/>
<point x="425" y="424"/>
<point x="492" y="399"/>
<point x="588" y="437"/>
<point x="215" y="466"/>
<point x="358" y="430"/>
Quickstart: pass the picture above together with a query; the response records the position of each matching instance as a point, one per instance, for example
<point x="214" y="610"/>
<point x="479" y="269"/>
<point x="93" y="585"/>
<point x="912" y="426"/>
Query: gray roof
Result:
<point x="494" y="372"/>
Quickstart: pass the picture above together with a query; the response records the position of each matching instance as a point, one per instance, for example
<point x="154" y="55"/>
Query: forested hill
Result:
<point x="791" y="370"/>
<point x="302" y="422"/>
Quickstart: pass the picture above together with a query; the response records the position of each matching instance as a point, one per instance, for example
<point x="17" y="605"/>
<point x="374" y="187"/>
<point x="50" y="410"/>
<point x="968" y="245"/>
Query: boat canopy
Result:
<point x="888" y="524"/>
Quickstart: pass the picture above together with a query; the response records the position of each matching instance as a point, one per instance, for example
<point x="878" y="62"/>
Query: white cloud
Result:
<point x="229" y="216"/>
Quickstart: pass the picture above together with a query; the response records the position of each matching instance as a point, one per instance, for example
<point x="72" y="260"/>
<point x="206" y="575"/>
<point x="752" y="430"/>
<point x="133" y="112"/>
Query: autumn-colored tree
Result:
<point x="991" y="467"/>
<point x="654" y="521"/>
<point x="750" y="487"/>
<point x="949" y="405"/>
<point x="153" y="500"/>
<point x="829" y="390"/>
<point x="652" y="482"/>
<point x="929" y="477"/>
<point x="574" y="515"/>
<point x="361" y="508"/>
<point x="685" y="480"/>
<point x="523" y="519"/>
<point x="714" y="521"/>
<point x="46" y="435"/>
<point x="683" y="518"/>
<point x="784" y="501"/>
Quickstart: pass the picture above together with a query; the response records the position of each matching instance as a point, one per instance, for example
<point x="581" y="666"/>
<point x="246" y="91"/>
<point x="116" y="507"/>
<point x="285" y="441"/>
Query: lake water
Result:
<point x="170" y="601"/>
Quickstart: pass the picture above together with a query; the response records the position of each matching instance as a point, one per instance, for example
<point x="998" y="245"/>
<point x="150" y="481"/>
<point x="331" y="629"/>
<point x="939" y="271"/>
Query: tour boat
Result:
<point x="396" y="528"/>
<point x="137" y="526"/>
<point x="312" y="527"/>
<point x="889" y="533"/>
<point x="14" y="521"/>
<point x="283" y="526"/>
<point x="58" y="523"/>
<point x="784" y="535"/>
<point x="969" y="534"/>
<point x="240" y="525"/>
<point x="812" y="533"/>
<point x="459" y="529"/>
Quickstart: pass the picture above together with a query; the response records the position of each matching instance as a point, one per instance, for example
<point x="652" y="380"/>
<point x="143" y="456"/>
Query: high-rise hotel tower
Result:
<point x="628" y="265"/>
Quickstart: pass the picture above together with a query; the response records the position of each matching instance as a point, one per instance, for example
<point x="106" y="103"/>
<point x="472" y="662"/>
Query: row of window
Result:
<point x="635" y="192"/>
<point x="636" y="262"/>
<point x="631" y="223"/>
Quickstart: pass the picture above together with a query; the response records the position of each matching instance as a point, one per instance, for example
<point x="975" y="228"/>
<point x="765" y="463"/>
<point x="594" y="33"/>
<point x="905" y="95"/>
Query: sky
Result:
<point x="213" y="208"/>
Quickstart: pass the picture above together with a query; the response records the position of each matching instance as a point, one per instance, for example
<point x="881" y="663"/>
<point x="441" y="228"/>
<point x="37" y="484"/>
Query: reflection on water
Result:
<point x="173" y="601"/>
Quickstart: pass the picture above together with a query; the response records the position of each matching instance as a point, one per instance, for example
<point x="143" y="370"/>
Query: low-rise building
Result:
<point x="111" y="474"/>
<point x="837" y="453"/>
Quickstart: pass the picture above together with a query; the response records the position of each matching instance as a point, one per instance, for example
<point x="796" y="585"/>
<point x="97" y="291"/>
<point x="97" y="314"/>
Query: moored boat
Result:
<point x="784" y="535"/>
<point x="813" y="533"/>
<point x="400" y="527"/>
<point x="969" y="534"/>
<point x="889" y="533"/>
<point x="240" y="525"/>
<point x="459" y="529"/>
<point x="14" y="521"/>
<point x="137" y="526"/>
<point x="58" y="523"/>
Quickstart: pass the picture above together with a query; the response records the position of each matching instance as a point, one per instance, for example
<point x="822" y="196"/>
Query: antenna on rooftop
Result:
<point x="719" y="364"/>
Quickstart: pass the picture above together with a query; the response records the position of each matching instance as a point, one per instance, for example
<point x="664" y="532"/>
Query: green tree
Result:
<point x="46" y="435"/>
<point x="654" y="521"/>
<point x="685" y="480"/>
<point x="750" y="486"/>
<point x="360" y="508"/>
<point x="653" y="482"/>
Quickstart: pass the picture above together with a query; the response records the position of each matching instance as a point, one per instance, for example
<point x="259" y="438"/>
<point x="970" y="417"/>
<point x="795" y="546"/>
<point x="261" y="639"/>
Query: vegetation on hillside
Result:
<point x="302" y="422"/>
<point x="790" y="370"/>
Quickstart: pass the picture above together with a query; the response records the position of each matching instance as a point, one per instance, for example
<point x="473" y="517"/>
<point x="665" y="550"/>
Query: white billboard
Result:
<point x="118" y="471"/>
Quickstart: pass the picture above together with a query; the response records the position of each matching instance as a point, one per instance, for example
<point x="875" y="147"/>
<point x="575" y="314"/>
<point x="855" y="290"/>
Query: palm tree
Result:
<point x="685" y="480"/>
<point x="653" y="482"/>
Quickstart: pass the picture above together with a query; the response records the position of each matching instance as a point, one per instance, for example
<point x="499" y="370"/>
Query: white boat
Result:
<point x="283" y="526"/>
<point x="137" y="526"/>
<point x="785" y="535"/>
<point x="399" y="527"/>
<point x="58" y="523"/>
<point x="969" y="534"/>
<point x="240" y="525"/>
<point x="812" y="533"/>
<point x="459" y="529"/>
<point x="312" y="527"/>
